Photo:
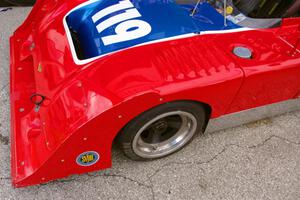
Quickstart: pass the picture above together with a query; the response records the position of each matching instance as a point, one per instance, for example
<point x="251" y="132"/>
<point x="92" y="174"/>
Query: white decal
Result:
<point x="111" y="9"/>
<point x="128" y="14"/>
<point x="129" y="28"/>
<point x="123" y="32"/>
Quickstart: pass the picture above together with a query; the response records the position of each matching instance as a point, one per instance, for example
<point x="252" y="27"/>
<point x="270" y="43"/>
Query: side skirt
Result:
<point x="251" y="115"/>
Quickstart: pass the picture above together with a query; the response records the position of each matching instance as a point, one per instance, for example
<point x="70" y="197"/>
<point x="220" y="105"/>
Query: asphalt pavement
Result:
<point x="259" y="160"/>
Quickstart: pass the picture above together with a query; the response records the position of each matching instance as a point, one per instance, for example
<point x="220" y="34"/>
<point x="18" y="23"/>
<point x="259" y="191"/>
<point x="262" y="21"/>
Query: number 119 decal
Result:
<point x="128" y="28"/>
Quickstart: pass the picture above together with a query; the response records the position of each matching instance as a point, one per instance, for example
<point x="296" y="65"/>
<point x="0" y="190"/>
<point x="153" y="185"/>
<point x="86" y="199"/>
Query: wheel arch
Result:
<point x="207" y="108"/>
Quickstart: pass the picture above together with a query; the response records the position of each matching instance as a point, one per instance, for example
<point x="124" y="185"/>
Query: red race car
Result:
<point x="149" y="74"/>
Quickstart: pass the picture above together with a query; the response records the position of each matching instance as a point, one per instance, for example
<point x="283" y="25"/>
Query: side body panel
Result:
<point x="273" y="74"/>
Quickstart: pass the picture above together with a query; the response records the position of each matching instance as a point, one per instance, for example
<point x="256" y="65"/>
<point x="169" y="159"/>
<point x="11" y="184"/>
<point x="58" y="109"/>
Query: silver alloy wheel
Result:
<point x="164" y="134"/>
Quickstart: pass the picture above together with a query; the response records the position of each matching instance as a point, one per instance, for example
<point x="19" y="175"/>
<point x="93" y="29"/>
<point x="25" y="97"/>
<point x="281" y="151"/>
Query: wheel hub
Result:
<point x="160" y="126"/>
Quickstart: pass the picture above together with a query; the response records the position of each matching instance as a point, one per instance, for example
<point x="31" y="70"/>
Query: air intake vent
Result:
<point x="77" y="45"/>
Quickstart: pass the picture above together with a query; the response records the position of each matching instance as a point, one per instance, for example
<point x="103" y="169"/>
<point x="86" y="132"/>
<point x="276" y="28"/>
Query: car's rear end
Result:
<point x="42" y="92"/>
<point x="63" y="106"/>
<point x="53" y="105"/>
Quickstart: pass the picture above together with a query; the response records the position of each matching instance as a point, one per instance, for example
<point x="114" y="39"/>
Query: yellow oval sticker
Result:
<point x="87" y="158"/>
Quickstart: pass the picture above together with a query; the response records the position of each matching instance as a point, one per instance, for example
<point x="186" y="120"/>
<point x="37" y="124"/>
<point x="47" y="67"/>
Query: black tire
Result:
<point x="4" y="3"/>
<point x="127" y="136"/>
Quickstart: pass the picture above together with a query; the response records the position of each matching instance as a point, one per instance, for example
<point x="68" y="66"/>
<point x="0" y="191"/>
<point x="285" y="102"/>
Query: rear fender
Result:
<point x="96" y="135"/>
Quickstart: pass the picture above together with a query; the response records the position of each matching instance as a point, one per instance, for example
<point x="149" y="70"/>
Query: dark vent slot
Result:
<point x="77" y="45"/>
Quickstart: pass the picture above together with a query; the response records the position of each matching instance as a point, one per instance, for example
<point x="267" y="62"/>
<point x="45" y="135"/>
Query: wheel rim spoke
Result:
<point x="155" y="137"/>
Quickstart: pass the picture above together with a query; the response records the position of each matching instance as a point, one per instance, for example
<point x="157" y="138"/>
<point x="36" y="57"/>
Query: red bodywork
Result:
<point x="86" y="106"/>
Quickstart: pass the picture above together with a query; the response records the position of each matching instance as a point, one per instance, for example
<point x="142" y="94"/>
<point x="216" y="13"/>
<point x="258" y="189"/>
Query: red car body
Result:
<point x="86" y="106"/>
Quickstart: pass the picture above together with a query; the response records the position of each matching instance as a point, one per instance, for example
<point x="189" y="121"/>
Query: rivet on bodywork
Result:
<point x="40" y="68"/>
<point x="62" y="160"/>
<point x="120" y="116"/>
<point x="79" y="84"/>
<point x="43" y="179"/>
<point x="161" y="99"/>
<point x="19" y="68"/>
<point x="47" y="143"/>
<point x="21" y="109"/>
<point x="32" y="46"/>
<point x="85" y="139"/>
<point x="22" y="163"/>
<point x="85" y="104"/>
<point x="18" y="40"/>
<point x="44" y="123"/>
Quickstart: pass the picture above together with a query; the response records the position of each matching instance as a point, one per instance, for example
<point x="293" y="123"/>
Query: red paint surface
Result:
<point x="84" y="103"/>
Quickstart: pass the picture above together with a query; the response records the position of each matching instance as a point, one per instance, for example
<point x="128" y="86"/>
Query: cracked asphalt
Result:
<point x="260" y="160"/>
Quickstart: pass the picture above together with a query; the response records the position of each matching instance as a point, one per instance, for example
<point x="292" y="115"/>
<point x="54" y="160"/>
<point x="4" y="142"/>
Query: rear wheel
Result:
<point x="162" y="131"/>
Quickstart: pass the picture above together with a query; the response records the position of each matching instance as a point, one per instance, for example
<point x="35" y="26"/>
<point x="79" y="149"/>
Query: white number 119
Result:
<point x="129" y="27"/>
